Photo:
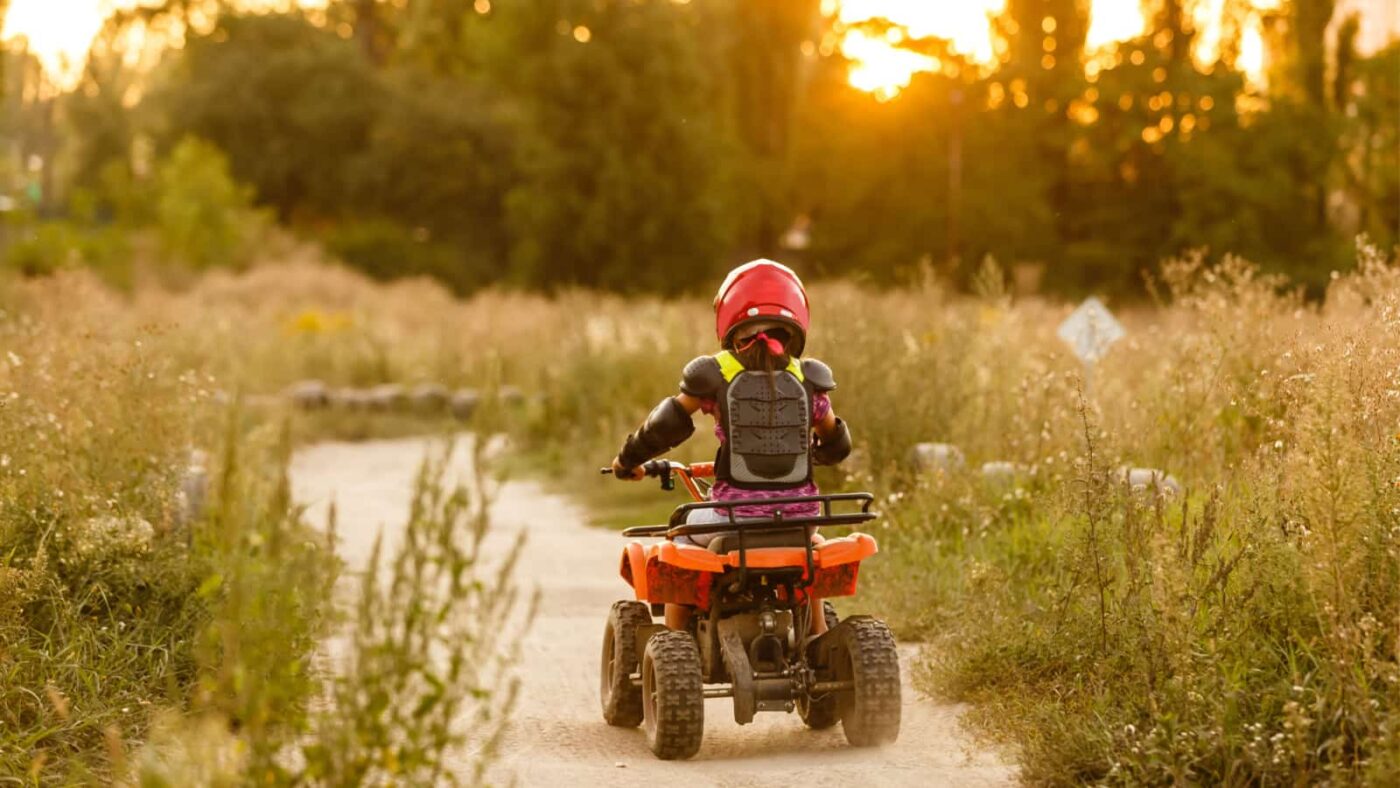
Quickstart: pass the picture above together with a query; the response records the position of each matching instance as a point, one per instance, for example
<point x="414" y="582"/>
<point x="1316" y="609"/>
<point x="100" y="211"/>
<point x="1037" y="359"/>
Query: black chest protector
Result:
<point x="767" y="419"/>
<point x="768" y="430"/>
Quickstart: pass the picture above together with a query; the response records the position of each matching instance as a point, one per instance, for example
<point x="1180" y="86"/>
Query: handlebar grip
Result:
<point x="650" y="468"/>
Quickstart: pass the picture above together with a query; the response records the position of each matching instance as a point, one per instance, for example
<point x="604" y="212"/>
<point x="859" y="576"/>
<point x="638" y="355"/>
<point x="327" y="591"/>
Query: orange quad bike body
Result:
<point x="683" y="574"/>
<point x="751" y="591"/>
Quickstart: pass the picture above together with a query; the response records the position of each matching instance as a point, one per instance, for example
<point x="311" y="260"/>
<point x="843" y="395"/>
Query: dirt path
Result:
<point x="558" y="737"/>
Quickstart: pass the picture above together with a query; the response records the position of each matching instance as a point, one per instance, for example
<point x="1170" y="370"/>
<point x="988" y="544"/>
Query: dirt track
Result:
<point x="558" y="737"/>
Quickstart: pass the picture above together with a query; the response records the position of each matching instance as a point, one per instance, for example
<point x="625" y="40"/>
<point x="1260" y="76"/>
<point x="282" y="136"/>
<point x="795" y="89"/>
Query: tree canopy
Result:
<point x="645" y="145"/>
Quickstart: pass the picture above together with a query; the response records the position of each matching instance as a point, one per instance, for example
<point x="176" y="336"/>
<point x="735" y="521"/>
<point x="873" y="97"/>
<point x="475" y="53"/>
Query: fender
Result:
<point x="634" y="568"/>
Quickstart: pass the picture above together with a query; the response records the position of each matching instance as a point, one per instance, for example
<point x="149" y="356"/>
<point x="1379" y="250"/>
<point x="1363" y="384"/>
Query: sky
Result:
<point x="59" y="31"/>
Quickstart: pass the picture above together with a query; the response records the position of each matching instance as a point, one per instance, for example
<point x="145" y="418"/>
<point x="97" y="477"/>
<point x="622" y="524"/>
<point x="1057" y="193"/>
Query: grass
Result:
<point x="161" y="616"/>
<point x="1241" y="633"/>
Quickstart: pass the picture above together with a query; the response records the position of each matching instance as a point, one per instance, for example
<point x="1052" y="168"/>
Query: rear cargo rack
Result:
<point x="775" y="522"/>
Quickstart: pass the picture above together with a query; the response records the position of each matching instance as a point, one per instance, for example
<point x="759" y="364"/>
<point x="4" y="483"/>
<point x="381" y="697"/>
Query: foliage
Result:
<point x="204" y="217"/>
<point x="1236" y="633"/>
<point x="111" y="571"/>
<point x="45" y="247"/>
<point x="164" y="612"/>
<point x="428" y="668"/>
<point x="288" y="103"/>
<point x="554" y="143"/>
<point x="619" y="163"/>
<point x="419" y="688"/>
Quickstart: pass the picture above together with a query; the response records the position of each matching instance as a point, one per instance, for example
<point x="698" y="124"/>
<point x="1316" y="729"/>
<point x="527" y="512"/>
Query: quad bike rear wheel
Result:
<point x="829" y="613"/>
<point x="823" y="711"/>
<point x="622" y="701"/>
<point x="867" y="657"/>
<point x="673" y="695"/>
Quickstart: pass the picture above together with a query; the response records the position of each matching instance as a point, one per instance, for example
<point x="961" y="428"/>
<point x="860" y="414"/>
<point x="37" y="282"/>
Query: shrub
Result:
<point x="204" y="217"/>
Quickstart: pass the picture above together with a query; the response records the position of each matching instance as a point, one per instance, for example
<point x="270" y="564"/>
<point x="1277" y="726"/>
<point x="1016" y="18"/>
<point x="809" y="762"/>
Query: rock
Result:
<point x="429" y="397"/>
<point x="387" y="396"/>
<point x="109" y="536"/>
<point x="936" y="457"/>
<point x="1002" y="473"/>
<point x="1140" y="479"/>
<point x="309" y="394"/>
<point x="350" y="399"/>
<point x="193" y="494"/>
<point x="464" y="402"/>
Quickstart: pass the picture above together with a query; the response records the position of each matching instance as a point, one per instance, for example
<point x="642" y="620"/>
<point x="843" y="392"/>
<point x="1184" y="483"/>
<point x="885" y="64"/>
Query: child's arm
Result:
<point x="833" y="440"/>
<point x="668" y="426"/>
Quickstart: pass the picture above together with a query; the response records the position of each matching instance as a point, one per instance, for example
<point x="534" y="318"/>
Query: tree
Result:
<point x="288" y="102"/>
<point x="205" y="218"/>
<point x="438" y="164"/>
<point x="4" y="12"/>
<point x="620" y="159"/>
<point x="1043" y="73"/>
<point x="762" y="55"/>
<point x="1368" y="95"/>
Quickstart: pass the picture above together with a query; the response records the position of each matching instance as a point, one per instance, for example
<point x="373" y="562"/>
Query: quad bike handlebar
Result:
<point x="667" y="470"/>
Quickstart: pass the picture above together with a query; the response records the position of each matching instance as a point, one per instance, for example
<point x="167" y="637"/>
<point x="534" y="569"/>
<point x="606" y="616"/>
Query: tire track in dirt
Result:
<point x="558" y="737"/>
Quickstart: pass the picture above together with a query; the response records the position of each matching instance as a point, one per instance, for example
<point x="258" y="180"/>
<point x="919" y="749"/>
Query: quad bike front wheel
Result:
<point x="821" y="712"/>
<point x="673" y="695"/>
<point x="867" y="658"/>
<point x="622" y="701"/>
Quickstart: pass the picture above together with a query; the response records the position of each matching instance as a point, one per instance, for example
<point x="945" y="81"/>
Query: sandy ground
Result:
<point x="558" y="737"/>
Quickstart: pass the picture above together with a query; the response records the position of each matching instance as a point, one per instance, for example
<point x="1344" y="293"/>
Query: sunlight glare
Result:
<point x="883" y="68"/>
<point x="1113" y="20"/>
<point x="880" y="68"/>
<point x="59" y="32"/>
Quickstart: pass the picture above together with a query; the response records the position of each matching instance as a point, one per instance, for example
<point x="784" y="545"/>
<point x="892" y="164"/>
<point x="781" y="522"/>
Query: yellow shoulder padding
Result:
<point x="730" y="367"/>
<point x="795" y="367"/>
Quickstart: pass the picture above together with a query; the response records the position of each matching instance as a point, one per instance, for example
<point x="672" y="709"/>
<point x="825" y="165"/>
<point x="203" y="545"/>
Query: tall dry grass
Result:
<point x="158" y="621"/>
<point x="1243" y="632"/>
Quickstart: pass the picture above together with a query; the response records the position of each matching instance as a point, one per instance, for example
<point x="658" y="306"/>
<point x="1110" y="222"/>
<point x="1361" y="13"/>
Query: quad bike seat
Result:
<point x="728" y="542"/>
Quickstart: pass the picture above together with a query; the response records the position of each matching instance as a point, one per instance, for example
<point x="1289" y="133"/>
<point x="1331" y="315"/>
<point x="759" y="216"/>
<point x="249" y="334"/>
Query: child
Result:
<point x="767" y="403"/>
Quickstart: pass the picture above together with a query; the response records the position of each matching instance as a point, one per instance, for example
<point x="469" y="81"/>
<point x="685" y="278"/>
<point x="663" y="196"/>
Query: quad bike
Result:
<point x="749" y="637"/>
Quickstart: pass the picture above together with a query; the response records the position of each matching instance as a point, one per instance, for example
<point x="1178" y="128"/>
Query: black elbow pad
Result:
<point x="834" y="447"/>
<point x="666" y="428"/>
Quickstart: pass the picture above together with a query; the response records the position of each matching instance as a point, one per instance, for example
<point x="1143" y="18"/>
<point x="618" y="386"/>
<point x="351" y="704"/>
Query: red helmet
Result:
<point x="762" y="290"/>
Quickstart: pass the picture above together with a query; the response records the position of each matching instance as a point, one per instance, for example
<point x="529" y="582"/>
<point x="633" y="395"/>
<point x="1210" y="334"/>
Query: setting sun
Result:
<point x="883" y="68"/>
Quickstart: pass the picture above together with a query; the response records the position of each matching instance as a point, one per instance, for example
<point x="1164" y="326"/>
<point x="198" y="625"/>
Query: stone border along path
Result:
<point x="557" y="737"/>
<point x="424" y="398"/>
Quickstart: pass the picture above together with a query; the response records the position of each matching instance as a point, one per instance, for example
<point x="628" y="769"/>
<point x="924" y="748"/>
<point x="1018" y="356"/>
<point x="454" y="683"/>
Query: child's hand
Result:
<point x="627" y="474"/>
